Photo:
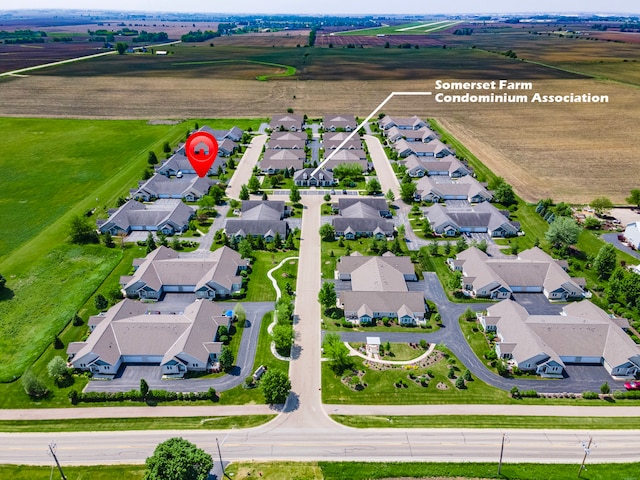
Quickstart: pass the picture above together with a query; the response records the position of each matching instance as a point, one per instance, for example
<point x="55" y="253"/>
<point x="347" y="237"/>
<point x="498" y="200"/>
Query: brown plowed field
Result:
<point x="14" y="57"/>
<point x="570" y="152"/>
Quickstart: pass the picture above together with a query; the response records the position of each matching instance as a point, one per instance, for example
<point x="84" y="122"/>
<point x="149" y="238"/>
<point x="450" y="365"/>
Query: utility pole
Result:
<point x="224" y="474"/>
<point x="52" y="452"/>
<point x="504" y="435"/>
<point x="587" y="451"/>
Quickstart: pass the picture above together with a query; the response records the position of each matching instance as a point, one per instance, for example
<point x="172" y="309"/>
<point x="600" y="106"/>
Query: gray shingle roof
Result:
<point x="129" y="329"/>
<point x="153" y="216"/>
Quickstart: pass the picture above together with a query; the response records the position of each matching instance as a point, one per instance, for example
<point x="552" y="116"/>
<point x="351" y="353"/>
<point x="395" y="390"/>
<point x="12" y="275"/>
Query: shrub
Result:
<point x="590" y="395"/>
<point x="460" y="383"/>
<point x="529" y="394"/>
<point x="515" y="392"/>
<point x="73" y="396"/>
<point x="452" y="373"/>
<point x="33" y="386"/>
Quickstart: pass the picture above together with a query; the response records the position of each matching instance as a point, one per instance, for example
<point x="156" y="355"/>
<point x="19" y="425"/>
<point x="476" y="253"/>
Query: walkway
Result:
<point x="354" y="352"/>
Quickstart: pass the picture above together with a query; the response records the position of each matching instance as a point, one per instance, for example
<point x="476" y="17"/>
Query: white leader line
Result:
<point x="351" y="135"/>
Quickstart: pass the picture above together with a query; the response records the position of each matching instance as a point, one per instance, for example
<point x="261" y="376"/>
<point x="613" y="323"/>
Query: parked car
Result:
<point x="632" y="385"/>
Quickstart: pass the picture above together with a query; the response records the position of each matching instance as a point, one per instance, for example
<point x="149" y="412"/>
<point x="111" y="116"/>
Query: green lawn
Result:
<point x="46" y="296"/>
<point x="123" y="424"/>
<point x="381" y="389"/>
<point x="260" y="288"/>
<point x="350" y="470"/>
<point x="101" y="472"/>
<point x="487" y="421"/>
<point x="398" y="352"/>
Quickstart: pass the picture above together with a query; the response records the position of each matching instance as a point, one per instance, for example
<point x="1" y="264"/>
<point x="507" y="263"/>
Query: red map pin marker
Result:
<point x="202" y="150"/>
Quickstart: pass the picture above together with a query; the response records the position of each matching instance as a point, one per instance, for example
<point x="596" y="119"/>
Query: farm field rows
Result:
<point x="538" y="148"/>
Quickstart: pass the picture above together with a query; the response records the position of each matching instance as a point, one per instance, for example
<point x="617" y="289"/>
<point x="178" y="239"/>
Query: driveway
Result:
<point x="538" y="304"/>
<point x="128" y="377"/>
<point x="612" y="238"/>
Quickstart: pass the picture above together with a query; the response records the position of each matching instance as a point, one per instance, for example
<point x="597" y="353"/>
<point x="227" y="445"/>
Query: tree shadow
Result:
<point x="234" y="371"/>
<point x="295" y="352"/>
<point x="6" y="294"/>
<point x="292" y="404"/>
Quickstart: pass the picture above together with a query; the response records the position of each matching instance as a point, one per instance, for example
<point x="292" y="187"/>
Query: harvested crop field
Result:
<point x="14" y="57"/>
<point x="571" y="152"/>
<point x="190" y="61"/>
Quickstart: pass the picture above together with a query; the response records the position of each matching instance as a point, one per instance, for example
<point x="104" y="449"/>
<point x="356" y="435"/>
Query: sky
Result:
<point x="360" y="7"/>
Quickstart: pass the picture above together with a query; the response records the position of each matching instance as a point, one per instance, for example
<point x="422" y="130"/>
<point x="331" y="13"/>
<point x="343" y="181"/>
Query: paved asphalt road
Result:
<point x="337" y="443"/>
<point x="245" y="166"/>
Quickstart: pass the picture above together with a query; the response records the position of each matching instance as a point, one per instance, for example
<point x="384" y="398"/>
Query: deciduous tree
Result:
<point x="601" y="205"/>
<point x="254" y="184"/>
<point x="407" y="190"/>
<point x="634" y="198"/>
<point x="327" y="295"/>
<point x="562" y="232"/>
<point x="294" y="195"/>
<point x="82" y="231"/>
<point x="605" y="261"/>
<point x="57" y="367"/>
<point x="275" y="385"/>
<point x="244" y="192"/>
<point x="337" y="353"/>
<point x="226" y="358"/>
<point x="327" y="232"/>
<point x="283" y="338"/>
<point x="373" y="187"/>
<point x="178" y="459"/>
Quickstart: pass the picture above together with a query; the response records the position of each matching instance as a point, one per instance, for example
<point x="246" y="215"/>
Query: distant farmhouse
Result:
<point x="260" y="219"/>
<point x="362" y="217"/>
<point x="166" y="216"/>
<point x="480" y="218"/>
<point x="532" y="271"/>
<point x="581" y="334"/>
<point x="379" y="289"/>
<point x="163" y="271"/>
<point x="128" y="333"/>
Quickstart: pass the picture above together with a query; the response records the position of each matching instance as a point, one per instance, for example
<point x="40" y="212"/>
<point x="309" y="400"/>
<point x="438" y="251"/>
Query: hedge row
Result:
<point x="136" y="396"/>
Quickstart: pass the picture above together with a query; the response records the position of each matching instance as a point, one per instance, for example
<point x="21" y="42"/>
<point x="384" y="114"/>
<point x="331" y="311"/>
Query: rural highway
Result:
<point x="331" y="443"/>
